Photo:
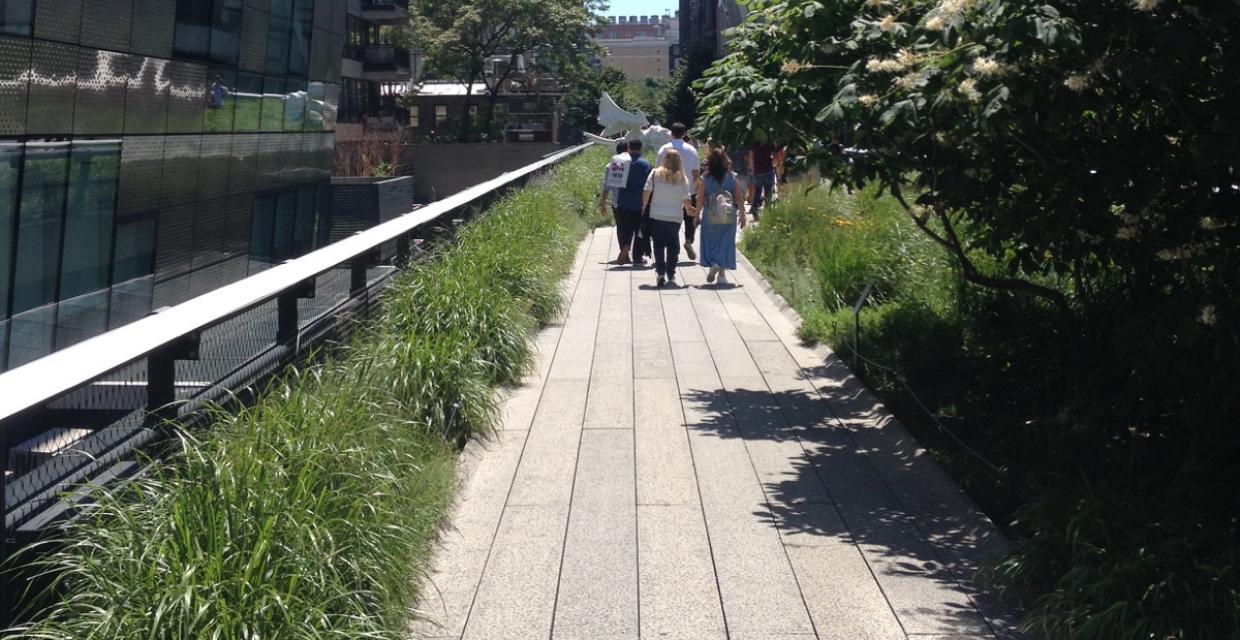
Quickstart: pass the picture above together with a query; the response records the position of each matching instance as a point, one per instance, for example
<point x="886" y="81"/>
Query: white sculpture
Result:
<point x="627" y="126"/>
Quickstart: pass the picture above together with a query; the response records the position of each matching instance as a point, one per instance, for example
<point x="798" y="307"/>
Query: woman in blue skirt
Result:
<point x="720" y="208"/>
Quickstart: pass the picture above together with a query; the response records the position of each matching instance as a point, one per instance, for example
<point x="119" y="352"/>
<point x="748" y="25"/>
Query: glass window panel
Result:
<point x="16" y="16"/>
<point x="135" y="251"/>
<point x="303" y="231"/>
<point x="31" y="334"/>
<point x="82" y="317"/>
<point x="261" y="227"/>
<point x="4" y="345"/>
<point x="221" y="101"/>
<point x="45" y="169"/>
<point x="193" y="31"/>
<point x="295" y="106"/>
<point x="249" y="102"/>
<point x="285" y="226"/>
<point x="273" y="104"/>
<point x="10" y="169"/>
<point x="225" y="31"/>
<point x="299" y="39"/>
<point x="316" y="94"/>
<point x="93" y="171"/>
<point x="131" y="300"/>
<point x="279" y="24"/>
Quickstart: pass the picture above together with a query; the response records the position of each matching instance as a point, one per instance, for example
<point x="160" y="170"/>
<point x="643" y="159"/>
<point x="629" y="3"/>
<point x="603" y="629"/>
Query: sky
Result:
<point x="642" y="7"/>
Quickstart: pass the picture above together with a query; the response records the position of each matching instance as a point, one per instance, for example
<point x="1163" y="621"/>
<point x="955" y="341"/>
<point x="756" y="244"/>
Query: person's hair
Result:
<point x="672" y="169"/>
<point x="622" y="146"/>
<point x="717" y="165"/>
<point x="635" y="146"/>
<point x="678" y="130"/>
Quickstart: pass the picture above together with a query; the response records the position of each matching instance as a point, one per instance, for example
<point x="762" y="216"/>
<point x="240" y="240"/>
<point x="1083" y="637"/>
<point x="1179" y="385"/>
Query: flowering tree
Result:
<point x="1089" y="148"/>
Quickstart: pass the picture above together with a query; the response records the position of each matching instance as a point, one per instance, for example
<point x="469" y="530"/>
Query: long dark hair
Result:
<point x="717" y="165"/>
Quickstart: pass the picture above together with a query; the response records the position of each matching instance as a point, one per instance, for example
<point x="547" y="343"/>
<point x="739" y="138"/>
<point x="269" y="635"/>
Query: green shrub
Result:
<point x="307" y="514"/>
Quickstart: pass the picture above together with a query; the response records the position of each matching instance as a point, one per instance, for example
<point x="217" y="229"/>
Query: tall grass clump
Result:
<point x="309" y="513"/>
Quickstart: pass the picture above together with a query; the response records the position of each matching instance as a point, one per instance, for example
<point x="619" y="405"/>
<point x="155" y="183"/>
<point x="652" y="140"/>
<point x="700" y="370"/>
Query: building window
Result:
<point x="94" y="167"/>
<point x="441" y="114"/>
<point x="16" y="16"/>
<point x="283" y="225"/>
<point x="10" y="169"/>
<point x="415" y="120"/>
<point x="41" y="213"/>
<point x="208" y="30"/>
<point x="279" y="26"/>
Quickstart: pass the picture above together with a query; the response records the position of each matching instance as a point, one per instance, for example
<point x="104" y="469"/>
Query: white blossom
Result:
<point x="883" y="65"/>
<point x="968" y="89"/>
<point x="987" y="67"/>
<point x="1126" y="233"/>
<point x="1166" y="255"/>
<point x="906" y="58"/>
<point x="1208" y="316"/>
<point x="868" y="100"/>
<point x="1209" y="223"/>
<point x="1077" y="82"/>
<point x="936" y="23"/>
<point x="910" y="82"/>
<point x="1145" y="5"/>
<point x="887" y="23"/>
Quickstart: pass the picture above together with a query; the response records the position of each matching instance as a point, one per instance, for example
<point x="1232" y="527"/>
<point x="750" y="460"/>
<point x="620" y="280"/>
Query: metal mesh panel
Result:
<point x="243" y="166"/>
<point x="107" y="23"/>
<point x="186" y="97"/>
<point x="102" y="81"/>
<point x="142" y="161"/>
<point x="253" y="40"/>
<point x="146" y="100"/>
<point x="59" y="20"/>
<point x="237" y="226"/>
<point x="53" y="79"/>
<point x="14" y="85"/>
<point x="213" y="169"/>
<point x="323" y="54"/>
<point x="180" y="178"/>
<point x="209" y="228"/>
<point x="154" y="27"/>
<point x="174" y="249"/>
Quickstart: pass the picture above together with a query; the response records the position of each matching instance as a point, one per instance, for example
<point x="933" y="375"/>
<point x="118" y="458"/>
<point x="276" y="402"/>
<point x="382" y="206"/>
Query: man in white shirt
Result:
<point x="693" y="167"/>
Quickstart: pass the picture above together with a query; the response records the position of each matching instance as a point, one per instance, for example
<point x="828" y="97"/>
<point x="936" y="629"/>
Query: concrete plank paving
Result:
<point x="676" y="464"/>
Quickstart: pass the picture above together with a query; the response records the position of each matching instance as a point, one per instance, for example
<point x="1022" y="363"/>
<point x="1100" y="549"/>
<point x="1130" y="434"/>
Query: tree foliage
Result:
<point x="1083" y="152"/>
<point x="462" y="38"/>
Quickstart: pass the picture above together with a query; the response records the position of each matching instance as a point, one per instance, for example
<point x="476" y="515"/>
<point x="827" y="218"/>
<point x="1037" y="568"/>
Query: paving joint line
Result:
<point x="963" y="586"/>
<point x="512" y="481"/>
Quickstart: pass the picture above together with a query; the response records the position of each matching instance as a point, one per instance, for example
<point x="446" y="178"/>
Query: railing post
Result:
<point x="161" y="375"/>
<point x="287" y="314"/>
<point x="402" y="250"/>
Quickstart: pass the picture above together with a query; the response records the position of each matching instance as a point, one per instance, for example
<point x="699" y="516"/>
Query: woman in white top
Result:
<point x="667" y="198"/>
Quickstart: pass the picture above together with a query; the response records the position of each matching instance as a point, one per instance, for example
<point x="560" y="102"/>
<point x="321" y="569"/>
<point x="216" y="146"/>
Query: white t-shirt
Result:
<point x="688" y="157"/>
<point x="667" y="203"/>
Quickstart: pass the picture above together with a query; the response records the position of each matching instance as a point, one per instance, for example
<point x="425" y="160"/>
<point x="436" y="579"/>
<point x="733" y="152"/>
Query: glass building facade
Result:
<point x="153" y="150"/>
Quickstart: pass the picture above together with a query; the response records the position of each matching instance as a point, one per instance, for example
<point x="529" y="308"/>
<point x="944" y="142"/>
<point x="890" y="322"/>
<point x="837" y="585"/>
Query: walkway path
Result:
<point x="679" y="466"/>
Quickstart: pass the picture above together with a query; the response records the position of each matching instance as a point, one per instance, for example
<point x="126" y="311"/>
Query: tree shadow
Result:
<point x="845" y="472"/>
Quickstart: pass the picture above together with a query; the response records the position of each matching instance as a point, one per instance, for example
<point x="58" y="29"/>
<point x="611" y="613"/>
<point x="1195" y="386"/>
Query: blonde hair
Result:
<point x="672" y="169"/>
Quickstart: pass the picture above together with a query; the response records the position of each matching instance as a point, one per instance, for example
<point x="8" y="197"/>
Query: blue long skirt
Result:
<point x="718" y="245"/>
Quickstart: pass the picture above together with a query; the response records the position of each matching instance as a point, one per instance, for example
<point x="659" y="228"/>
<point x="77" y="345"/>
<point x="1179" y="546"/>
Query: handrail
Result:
<point x="46" y="379"/>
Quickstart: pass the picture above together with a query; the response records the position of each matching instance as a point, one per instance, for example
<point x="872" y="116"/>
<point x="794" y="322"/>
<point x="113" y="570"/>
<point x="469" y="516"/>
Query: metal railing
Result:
<point x="109" y="396"/>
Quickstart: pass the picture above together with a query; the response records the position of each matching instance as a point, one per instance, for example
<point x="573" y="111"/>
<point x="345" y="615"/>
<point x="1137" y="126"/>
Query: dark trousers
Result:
<point x="666" y="236"/>
<point x="641" y="243"/>
<point x="627" y="223"/>
<point x="690" y="222"/>
<point x="764" y="189"/>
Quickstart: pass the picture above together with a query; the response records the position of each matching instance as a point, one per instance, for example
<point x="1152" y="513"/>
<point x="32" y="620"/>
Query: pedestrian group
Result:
<point x="707" y="197"/>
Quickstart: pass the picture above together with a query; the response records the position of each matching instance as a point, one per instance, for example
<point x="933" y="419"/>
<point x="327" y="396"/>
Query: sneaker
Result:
<point x="623" y="258"/>
<point x="710" y="275"/>
<point x="723" y="277"/>
<point x="661" y="282"/>
<point x="689" y="251"/>
<point x="671" y="282"/>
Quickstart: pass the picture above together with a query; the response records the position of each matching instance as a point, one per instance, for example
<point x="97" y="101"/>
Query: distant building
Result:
<point x="374" y="73"/>
<point x="703" y="23"/>
<point x="641" y="46"/>
<point x="526" y="111"/>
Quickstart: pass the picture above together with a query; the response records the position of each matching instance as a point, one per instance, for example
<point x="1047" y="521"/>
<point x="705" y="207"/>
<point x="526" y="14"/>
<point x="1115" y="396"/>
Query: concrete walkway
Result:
<point x="680" y="466"/>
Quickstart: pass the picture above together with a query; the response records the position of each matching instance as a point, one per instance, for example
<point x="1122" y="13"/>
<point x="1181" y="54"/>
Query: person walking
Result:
<point x="719" y="197"/>
<point x="762" y="163"/>
<point x="691" y="162"/>
<point x="615" y="177"/>
<point x="629" y="201"/>
<point x="668" y="200"/>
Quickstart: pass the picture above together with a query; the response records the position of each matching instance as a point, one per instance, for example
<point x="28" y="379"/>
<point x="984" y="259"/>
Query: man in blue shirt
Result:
<point x="629" y="201"/>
